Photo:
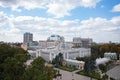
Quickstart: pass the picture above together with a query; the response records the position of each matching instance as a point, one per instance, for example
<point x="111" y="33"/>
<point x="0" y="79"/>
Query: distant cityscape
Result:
<point x="54" y="45"/>
<point x="59" y="39"/>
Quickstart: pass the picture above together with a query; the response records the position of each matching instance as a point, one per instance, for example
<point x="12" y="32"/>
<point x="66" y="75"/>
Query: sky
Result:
<point x="96" y="19"/>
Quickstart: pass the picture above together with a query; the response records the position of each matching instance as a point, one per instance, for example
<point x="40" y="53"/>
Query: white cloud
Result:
<point x="3" y="19"/>
<point x="27" y="4"/>
<point x="116" y="8"/>
<point x="58" y="8"/>
<point x="100" y="29"/>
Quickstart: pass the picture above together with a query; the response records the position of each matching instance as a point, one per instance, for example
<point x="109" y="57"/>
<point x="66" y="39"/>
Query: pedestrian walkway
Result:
<point x="71" y="76"/>
<point x="114" y="73"/>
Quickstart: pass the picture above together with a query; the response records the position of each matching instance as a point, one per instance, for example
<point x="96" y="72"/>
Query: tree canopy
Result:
<point x="90" y="64"/>
<point x="12" y="62"/>
<point x="38" y="71"/>
<point x="99" y="50"/>
<point x="58" y="60"/>
<point x="12" y="65"/>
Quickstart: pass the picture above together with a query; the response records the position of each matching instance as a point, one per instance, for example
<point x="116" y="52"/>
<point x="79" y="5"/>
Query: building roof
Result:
<point x="55" y="38"/>
<point x="74" y="61"/>
<point x="109" y="53"/>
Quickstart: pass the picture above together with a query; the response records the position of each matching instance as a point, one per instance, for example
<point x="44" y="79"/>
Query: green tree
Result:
<point x="90" y="65"/>
<point x="58" y="60"/>
<point x="11" y="65"/>
<point x="95" y="50"/>
<point x="37" y="71"/>
<point x="103" y="68"/>
<point x="60" y="56"/>
<point x="105" y="77"/>
<point x="118" y="53"/>
<point x="81" y="58"/>
<point x="13" y="69"/>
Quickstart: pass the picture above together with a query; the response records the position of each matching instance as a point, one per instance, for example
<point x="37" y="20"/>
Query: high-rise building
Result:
<point x="28" y="38"/>
<point x="82" y="42"/>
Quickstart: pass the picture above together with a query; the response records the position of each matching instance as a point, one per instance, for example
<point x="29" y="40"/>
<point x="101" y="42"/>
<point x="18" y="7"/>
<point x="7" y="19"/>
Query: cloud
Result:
<point x="3" y="19"/>
<point x="58" y="8"/>
<point x="100" y="29"/>
<point x="116" y="8"/>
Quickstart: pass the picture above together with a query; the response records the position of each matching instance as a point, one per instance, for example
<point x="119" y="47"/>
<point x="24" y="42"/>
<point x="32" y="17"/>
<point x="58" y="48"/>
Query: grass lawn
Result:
<point x="70" y="69"/>
<point x="92" y="74"/>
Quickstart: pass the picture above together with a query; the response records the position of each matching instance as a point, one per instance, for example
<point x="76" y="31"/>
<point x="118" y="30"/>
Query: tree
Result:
<point x="12" y="62"/>
<point x="118" y="53"/>
<point x="37" y="71"/>
<point x="105" y="77"/>
<point x="81" y="58"/>
<point x="90" y="65"/>
<point x="53" y="61"/>
<point x="58" y="60"/>
<point x="95" y="50"/>
<point x="99" y="50"/>
<point x="60" y="56"/>
<point x="13" y="69"/>
<point x="103" y="68"/>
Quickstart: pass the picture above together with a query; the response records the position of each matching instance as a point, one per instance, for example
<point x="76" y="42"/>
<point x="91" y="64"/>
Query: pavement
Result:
<point x="71" y="76"/>
<point x="114" y="73"/>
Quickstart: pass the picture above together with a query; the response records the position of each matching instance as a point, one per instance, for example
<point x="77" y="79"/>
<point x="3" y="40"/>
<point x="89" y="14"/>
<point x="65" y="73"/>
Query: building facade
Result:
<point x="74" y="63"/>
<point x="79" y="52"/>
<point x="55" y="44"/>
<point x="112" y="56"/>
<point x="82" y="42"/>
<point x="27" y="38"/>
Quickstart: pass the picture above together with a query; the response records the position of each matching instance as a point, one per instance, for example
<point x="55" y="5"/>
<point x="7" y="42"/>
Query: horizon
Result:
<point x="96" y="19"/>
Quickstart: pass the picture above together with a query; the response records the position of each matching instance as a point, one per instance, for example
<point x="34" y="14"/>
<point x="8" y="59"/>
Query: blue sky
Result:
<point x="97" y="19"/>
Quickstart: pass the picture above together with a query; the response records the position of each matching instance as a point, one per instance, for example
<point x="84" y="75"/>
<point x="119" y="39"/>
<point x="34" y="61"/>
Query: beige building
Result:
<point x="24" y="46"/>
<point x="46" y="44"/>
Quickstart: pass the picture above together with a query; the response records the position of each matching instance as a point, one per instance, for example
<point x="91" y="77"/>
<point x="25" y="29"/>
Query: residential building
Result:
<point x="27" y="38"/>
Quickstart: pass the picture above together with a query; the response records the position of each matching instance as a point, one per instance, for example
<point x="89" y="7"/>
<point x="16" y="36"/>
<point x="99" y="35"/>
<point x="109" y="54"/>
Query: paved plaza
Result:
<point x="71" y="75"/>
<point x="114" y="73"/>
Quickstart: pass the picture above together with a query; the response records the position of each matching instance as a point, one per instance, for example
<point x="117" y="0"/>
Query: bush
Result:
<point x="105" y="77"/>
<point x="112" y="79"/>
<point x="90" y="74"/>
<point x="70" y="69"/>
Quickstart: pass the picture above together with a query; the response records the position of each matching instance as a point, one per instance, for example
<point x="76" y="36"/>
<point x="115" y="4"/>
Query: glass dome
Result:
<point x="55" y="38"/>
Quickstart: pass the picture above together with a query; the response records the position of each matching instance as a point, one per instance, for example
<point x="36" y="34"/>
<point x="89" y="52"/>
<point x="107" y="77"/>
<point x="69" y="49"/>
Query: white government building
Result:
<point x="55" y="44"/>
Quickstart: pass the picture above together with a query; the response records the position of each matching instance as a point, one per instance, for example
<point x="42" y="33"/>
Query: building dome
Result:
<point x="55" y="38"/>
